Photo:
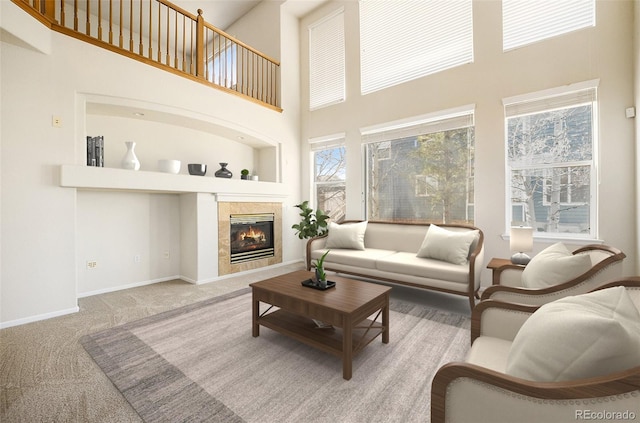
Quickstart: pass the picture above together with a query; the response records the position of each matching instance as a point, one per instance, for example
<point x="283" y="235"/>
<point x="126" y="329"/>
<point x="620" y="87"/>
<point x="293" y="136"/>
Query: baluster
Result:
<point x="141" y="46"/>
<point x="120" y="39"/>
<point x="175" y="43"/>
<point x="191" y="62"/>
<point x="88" y="17"/>
<point x="131" y="26"/>
<point x="75" y="15"/>
<point x="159" y="34"/>
<point x="100" y="20"/>
<point x="50" y="9"/>
<point x="184" y="42"/>
<point x="199" y="45"/>
<point x="110" y="21"/>
<point x="168" y="42"/>
<point x="62" y="13"/>
<point x="150" y="30"/>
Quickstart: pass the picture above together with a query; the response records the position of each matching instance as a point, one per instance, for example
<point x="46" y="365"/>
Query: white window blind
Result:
<point x="438" y="122"/>
<point x="408" y="39"/>
<point x="326" y="61"/>
<point x="526" y="21"/>
<point x="571" y="95"/>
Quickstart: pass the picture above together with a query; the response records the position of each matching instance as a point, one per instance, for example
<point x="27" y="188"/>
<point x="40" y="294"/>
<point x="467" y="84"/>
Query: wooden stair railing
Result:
<point x="163" y="35"/>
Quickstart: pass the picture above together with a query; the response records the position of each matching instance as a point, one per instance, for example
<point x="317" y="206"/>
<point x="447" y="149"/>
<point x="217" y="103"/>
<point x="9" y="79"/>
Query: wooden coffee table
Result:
<point x="347" y="307"/>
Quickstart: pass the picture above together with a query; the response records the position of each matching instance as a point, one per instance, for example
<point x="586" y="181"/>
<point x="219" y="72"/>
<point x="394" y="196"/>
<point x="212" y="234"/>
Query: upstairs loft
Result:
<point x="161" y="34"/>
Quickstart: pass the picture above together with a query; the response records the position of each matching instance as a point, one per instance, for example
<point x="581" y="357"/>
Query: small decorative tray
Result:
<point x="311" y="284"/>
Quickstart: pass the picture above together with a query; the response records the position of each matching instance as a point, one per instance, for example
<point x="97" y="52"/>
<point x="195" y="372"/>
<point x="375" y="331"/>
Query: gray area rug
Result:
<point x="199" y="363"/>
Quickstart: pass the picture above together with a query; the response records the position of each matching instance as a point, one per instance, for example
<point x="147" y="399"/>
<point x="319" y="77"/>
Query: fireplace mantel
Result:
<point x="113" y="179"/>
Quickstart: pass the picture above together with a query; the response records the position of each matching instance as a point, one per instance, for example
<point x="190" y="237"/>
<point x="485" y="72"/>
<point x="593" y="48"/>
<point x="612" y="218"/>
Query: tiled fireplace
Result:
<point x="249" y="236"/>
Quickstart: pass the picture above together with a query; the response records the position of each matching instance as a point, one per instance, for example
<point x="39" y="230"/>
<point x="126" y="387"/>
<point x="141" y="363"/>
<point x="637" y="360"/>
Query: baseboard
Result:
<point x="45" y="316"/>
<point x="132" y="285"/>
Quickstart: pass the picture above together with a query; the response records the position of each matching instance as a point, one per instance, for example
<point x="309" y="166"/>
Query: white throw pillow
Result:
<point x="578" y="337"/>
<point x="553" y="266"/>
<point x="347" y="235"/>
<point x="450" y="246"/>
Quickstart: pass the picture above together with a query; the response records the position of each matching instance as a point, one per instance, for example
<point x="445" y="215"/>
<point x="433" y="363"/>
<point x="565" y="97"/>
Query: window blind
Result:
<point x="437" y="122"/>
<point x="525" y="21"/>
<point x="328" y="141"/>
<point x="405" y="40"/>
<point x="568" y="96"/>
<point x="326" y="61"/>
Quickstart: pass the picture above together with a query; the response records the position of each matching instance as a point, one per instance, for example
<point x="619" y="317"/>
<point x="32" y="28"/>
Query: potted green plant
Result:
<point x="244" y="174"/>
<point x="312" y="223"/>
<point x="321" y="276"/>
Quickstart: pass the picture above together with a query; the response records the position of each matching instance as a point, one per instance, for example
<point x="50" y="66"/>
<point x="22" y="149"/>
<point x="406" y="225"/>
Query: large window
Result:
<point x="422" y="170"/>
<point x="327" y="61"/>
<point x="551" y="160"/>
<point x="329" y="175"/>
<point x="404" y="40"/>
<point x="526" y="21"/>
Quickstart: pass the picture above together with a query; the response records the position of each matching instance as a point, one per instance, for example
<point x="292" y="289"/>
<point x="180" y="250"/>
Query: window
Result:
<point x="222" y="66"/>
<point x="326" y="61"/>
<point x="329" y="175"/>
<point x="404" y="40"/>
<point x="551" y="160"/>
<point x="525" y="21"/>
<point x="421" y="170"/>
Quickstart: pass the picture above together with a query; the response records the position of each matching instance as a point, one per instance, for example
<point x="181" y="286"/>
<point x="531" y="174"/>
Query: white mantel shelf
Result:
<point x="113" y="179"/>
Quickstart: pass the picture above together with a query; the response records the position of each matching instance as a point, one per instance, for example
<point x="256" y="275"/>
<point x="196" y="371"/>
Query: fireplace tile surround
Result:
<point x="225" y="210"/>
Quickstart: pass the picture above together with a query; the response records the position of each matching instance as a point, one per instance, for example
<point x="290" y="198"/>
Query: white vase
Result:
<point x="130" y="161"/>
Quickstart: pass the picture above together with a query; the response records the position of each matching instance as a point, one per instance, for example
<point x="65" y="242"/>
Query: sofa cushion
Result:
<point x="450" y="246"/>
<point x="554" y="265"/>
<point x="347" y="235"/>
<point x="365" y="259"/>
<point x="578" y="337"/>
<point x="408" y="264"/>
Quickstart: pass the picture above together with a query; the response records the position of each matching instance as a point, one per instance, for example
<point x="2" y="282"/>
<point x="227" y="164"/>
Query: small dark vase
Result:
<point x="223" y="172"/>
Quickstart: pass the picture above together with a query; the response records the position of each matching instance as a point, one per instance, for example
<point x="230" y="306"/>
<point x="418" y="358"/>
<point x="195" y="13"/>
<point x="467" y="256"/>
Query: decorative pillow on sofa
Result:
<point x="554" y="265"/>
<point x="347" y="235"/>
<point x="445" y="245"/>
<point x="578" y="337"/>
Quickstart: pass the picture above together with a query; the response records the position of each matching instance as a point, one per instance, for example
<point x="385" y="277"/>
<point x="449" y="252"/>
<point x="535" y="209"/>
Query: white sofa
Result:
<point x="573" y="361"/>
<point x="389" y="252"/>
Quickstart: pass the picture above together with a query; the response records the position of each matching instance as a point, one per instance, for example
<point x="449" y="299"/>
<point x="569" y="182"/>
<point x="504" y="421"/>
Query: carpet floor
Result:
<point x="200" y="363"/>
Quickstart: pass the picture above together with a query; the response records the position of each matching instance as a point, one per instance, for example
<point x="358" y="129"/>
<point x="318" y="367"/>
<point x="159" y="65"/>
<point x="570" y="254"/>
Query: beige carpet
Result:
<point x="200" y="363"/>
<point x="47" y="376"/>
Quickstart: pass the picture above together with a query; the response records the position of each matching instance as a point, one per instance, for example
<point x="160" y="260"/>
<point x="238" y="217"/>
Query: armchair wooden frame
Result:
<point x="597" y="387"/>
<point x="616" y="256"/>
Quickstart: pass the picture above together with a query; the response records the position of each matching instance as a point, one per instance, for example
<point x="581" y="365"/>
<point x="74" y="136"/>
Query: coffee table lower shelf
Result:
<point x="326" y="339"/>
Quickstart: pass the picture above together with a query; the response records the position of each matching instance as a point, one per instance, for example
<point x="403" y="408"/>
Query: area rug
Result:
<point x="199" y="363"/>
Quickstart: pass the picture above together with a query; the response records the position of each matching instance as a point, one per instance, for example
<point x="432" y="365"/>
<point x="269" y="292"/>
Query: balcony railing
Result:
<point x="161" y="34"/>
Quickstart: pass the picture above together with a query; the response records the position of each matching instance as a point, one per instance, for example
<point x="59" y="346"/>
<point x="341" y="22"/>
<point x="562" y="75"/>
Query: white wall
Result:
<point x="46" y="230"/>
<point x="603" y="52"/>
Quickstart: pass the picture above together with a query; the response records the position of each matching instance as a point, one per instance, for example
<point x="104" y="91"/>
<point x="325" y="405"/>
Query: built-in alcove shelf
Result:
<point x="113" y="179"/>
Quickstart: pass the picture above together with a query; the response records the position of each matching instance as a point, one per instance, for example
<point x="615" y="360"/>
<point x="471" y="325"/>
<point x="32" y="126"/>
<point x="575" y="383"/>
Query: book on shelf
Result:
<point x="95" y="151"/>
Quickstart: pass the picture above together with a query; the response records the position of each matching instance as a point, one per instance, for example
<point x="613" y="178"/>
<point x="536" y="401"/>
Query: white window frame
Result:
<point x="544" y="101"/>
<point x="319" y="144"/>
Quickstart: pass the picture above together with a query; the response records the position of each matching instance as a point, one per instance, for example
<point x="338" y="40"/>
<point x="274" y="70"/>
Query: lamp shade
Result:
<point x="521" y="239"/>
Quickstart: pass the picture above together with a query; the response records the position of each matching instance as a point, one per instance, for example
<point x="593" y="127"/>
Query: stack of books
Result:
<point x="95" y="151"/>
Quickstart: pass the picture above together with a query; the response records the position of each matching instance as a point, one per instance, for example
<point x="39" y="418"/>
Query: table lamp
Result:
<point x="520" y="240"/>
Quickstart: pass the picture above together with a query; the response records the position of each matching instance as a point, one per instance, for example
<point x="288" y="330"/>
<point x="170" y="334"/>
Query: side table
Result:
<point x="498" y="265"/>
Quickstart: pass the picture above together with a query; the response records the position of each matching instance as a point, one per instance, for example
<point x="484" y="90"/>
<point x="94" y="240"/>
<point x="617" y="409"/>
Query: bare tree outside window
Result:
<point x="550" y="155"/>
<point x="329" y="181"/>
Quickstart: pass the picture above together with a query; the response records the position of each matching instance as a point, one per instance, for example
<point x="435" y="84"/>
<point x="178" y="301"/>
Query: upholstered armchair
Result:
<point x="499" y="382"/>
<point x="600" y="263"/>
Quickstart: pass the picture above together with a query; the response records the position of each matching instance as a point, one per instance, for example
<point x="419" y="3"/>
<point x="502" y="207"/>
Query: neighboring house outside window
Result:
<point x="421" y="170"/>
<point x="329" y="175"/>
<point x="551" y="157"/>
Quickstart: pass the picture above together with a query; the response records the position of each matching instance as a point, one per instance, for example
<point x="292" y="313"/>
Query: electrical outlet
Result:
<point x="56" y="121"/>
<point x="166" y="255"/>
<point x="136" y="258"/>
<point x="92" y="265"/>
